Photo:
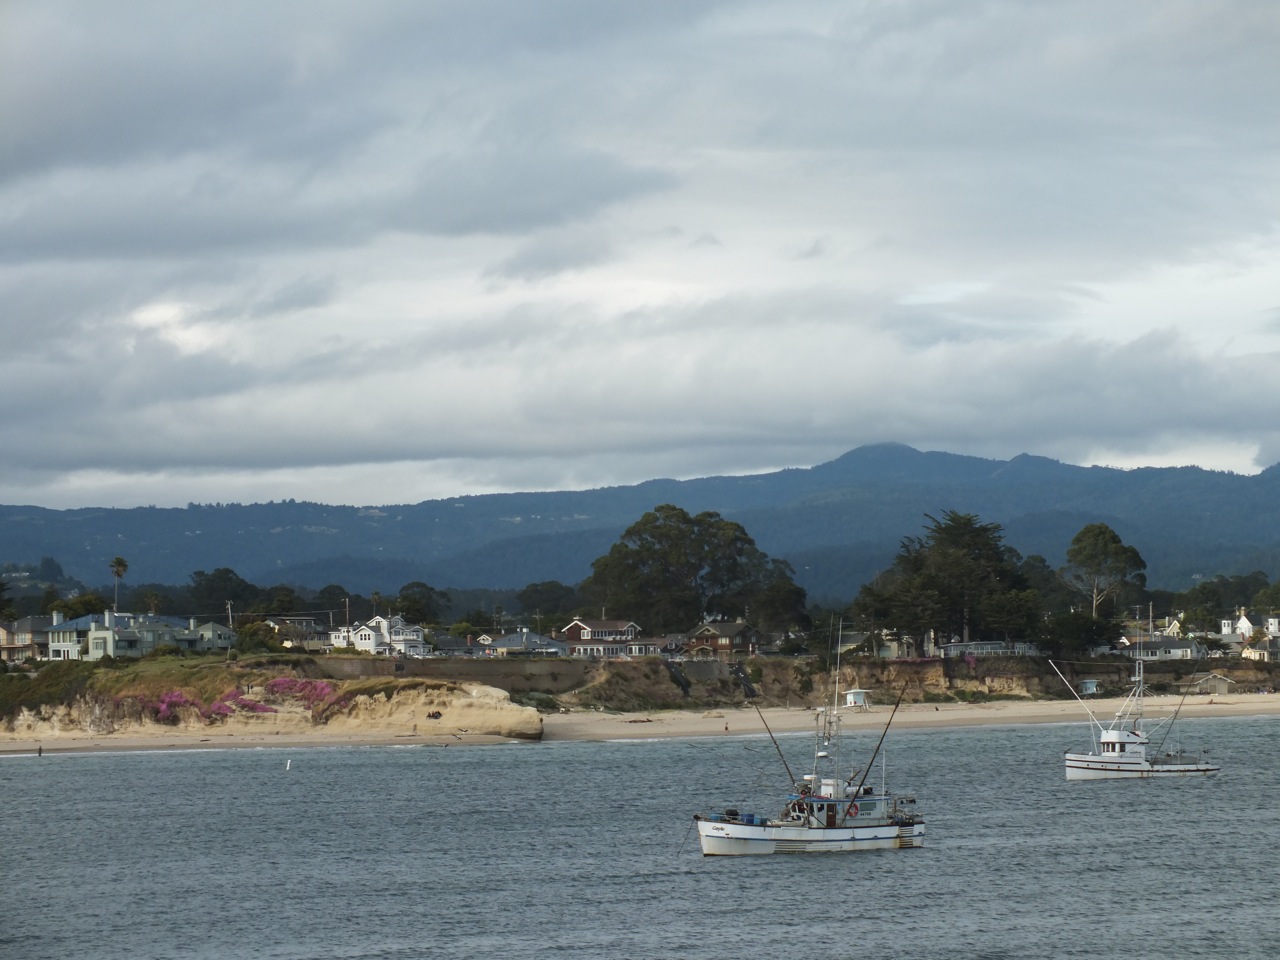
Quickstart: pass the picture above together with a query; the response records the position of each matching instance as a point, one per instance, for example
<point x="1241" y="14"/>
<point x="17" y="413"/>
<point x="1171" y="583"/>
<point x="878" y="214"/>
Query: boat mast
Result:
<point x="1139" y="677"/>
<point x="833" y="725"/>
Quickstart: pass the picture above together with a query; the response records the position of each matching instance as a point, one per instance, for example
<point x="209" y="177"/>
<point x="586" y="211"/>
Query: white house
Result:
<point x="69" y="639"/>
<point x="1165" y="648"/>
<point x="1245" y="626"/>
<point x="382" y="636"/>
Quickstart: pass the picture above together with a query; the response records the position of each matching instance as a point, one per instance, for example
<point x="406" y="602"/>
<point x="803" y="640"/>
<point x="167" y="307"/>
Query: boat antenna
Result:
<point x="790" y="776"/>
<point x="867" y="770"/>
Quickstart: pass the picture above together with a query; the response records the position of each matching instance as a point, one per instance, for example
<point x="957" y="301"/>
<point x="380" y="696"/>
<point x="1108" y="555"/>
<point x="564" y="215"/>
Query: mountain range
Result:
<point x="838" y="523"/>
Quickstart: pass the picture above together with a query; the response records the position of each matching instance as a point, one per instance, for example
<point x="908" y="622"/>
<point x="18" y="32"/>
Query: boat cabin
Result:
<point x="1130" y="742"/>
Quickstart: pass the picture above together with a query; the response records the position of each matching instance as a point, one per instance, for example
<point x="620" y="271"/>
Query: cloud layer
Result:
<point x="384" y="252"/>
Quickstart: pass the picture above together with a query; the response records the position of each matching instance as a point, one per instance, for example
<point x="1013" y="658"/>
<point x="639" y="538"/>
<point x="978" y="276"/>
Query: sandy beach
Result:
<point x="589" y="725"/>
<point x="604" y="726"/>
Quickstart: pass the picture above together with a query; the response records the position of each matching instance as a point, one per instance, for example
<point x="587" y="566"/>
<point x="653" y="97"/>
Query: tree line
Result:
<point x="671" y="571"/>
<point x="960" y="579"/>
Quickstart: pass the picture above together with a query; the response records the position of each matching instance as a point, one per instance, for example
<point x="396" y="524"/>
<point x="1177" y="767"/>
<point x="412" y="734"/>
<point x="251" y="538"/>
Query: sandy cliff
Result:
<point x="430" y="710"/>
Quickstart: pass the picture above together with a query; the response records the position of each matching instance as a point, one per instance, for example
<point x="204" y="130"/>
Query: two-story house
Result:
<point x="27" y="638"/>
<point x="135" y="635"/>
<point x="734" y="640"/>
<point x="599" y="638"/>
<point x="299" y="633"/>
<point x="1245" y="626"/>
<point x="69" y="639"/>
<point x="383" y="636"/>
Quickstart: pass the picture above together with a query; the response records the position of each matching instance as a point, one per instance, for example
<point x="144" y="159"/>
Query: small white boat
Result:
<point x="1123" y="748"/>
<point x="825" y="811"/>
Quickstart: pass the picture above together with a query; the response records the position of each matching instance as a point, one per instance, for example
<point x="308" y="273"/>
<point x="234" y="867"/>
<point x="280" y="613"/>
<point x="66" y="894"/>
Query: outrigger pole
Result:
<point x="883" y="733"/>
<point x="781" y="756"/>
<point x="1096" y="722"/>
<point x="1168" y="726"/>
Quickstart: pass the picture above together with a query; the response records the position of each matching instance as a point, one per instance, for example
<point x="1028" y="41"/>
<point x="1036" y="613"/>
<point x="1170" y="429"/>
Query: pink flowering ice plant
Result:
<point x="166" y="709"/>
<point x="311" y="692"/>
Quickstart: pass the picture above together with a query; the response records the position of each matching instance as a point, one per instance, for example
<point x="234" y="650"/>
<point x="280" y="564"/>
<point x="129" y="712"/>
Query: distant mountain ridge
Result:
<point x="838" y="523"/>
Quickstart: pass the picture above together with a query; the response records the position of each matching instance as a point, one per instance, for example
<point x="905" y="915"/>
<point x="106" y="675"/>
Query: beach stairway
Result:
<point x="747" y="686"/>
<point x="678" y="676"/>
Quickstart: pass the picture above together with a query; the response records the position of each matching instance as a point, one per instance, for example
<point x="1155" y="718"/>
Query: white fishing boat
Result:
<point x="826" y="811"/>
<point x="1124" y="747"/>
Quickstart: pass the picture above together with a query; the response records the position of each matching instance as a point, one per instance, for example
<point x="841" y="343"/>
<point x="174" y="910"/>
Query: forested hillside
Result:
<point x="838" y="523"/>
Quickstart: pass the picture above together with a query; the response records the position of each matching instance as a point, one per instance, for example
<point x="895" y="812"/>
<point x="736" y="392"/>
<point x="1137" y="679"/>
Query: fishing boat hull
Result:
<point x="1123" y="749"/>
<point x="1092" y="766"/>
<point x="724" y="839"/>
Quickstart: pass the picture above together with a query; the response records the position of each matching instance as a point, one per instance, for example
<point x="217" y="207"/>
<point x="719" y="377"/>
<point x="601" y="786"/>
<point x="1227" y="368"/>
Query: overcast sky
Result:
<point x="382" y="252"/>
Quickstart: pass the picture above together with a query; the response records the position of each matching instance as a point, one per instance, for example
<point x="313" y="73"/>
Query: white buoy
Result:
<point x="286" y="764"/>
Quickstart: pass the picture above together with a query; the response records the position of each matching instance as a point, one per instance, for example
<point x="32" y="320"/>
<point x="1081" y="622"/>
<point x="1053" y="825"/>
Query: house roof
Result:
<point x="524" y="640"/>
<point x="79" y="623"/>
<point x="603" y="624"/>
<point x="35" y="623"/>
<point x="447" y="641"/>
<point x="724" y="629"/>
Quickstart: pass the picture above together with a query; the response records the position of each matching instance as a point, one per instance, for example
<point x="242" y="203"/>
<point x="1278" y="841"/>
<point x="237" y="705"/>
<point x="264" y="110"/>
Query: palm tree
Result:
<point x="119" y="567"/>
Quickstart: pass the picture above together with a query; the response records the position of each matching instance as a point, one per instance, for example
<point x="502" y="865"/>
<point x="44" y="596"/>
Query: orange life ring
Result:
<point x="852" y="810"/>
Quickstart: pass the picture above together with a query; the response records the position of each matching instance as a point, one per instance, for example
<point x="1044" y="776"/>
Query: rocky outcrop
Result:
<point x="468" y="708"/>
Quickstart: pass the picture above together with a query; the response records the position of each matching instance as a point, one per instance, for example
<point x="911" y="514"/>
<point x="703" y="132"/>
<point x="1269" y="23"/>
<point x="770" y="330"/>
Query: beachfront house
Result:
<point x="990" y="648"/>
<point x="523" y="643"/>
<point x="27" y="639"/>
<point x="1159" y="647"/>
<point x="130" y="635"/>
<point x="69" y="639"/>
<point x="381" y="636"/>
<point x="599" y="638"/>
<point x="735" y="640"/>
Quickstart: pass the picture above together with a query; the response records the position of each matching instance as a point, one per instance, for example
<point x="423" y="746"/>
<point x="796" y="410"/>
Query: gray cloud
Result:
<point x="390" y="251"/>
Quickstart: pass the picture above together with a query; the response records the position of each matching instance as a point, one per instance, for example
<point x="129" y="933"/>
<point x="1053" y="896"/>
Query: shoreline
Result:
<point x="658" y="724"/>
<point x="745" y="720"/>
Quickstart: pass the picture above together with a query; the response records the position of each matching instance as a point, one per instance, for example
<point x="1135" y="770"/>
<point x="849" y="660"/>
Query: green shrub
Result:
<point x="56" y="683"/>
<point x="542" y="702"/>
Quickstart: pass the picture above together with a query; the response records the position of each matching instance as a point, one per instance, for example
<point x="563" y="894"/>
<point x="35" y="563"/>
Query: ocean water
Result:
<point x="584" y="850"/>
